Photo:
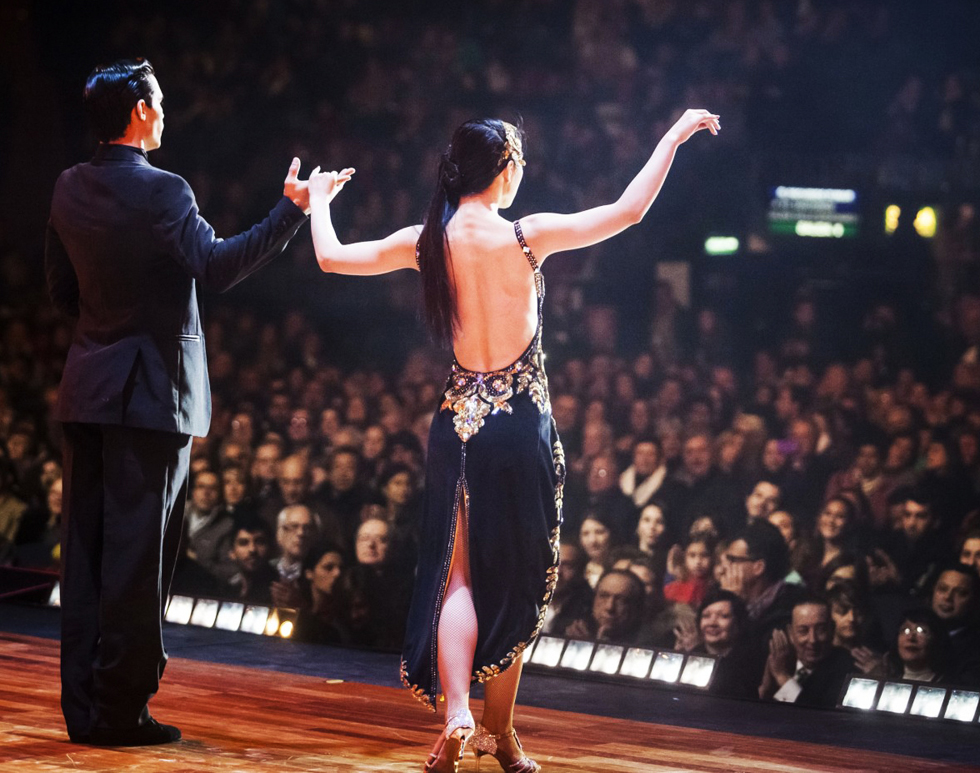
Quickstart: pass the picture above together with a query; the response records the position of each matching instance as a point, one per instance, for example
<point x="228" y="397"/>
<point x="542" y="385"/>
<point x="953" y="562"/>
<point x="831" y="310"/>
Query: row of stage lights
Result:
<point x="223" y="615"/>
<point x="604" y="660"/>
<point x="914" y="699"/>
<point x="613" y="660"/>
<point x="678" y="669"/>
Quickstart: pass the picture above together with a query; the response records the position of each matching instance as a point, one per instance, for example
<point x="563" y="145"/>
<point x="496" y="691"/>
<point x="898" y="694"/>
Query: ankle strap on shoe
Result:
<point x="461" y="719"/>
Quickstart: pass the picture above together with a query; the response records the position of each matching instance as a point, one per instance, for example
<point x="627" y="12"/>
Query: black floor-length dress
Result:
<point x="493" y="445"/>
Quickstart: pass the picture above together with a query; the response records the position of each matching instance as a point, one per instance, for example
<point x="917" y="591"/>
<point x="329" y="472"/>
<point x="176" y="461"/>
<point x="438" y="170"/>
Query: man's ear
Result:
<point x="140" y="110"/>
<point x="758" y="567"/>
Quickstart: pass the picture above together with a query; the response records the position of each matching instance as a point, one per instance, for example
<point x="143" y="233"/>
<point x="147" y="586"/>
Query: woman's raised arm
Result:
<point x="361" y="258"/>
<point x="548" y="232"/>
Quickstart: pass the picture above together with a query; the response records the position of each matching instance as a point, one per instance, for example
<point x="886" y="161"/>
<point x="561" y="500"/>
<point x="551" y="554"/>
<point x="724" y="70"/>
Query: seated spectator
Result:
<point x="344" y="495"/>
<point x="39" y="536"/>
<point x="12" y="509"/>
<point x="596" y="539"/>
<point x="855" y="626"/>
<point x="398" y="487"/>
<point x="946" y="486"/>
<point x="249" y="553"/>
<point x="969" y="552"/>
<point x="207" y="527"/>
<point x="835" y="534"/>
<point x="908" y="559"/>
<point x="846" y="567"/>
<point x="721" y="630"/>
<point x="323" y="619"/>
<point x="572" y="599"/>
<point x="804" y="666"/>
<point x="653" y="537"/>
<point x="698" y="573"/>
<point x="643" y="478"/>
<point x="602" y="494"/>
<point x="799" y="547"/>
<point x="617" y="610"/>
<point x="234" y="492"/>
<point x="921" y="652"/>
<point x="867" y="478"/>
<point x="292" y="487"/>
<point x="762" y="501"/>
<point x="298" y="529"/>
<point x="955" y="600"/>
<point x="754" y="568"/>
<point x="265" y="472"/>
<point x="385" y="587"/>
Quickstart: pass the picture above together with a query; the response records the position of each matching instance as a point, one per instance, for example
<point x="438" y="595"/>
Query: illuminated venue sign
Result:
<point x="827" y="213"/>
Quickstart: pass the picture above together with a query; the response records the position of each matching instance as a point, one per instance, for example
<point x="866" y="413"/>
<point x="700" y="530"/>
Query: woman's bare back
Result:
<point x="495" y="292"/>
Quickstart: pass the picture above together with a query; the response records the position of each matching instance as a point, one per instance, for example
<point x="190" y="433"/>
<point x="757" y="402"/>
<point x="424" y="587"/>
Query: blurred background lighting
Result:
<point x="925" y="222"/>
<point x="721" y="245"/>
<point x="893" y="214"/>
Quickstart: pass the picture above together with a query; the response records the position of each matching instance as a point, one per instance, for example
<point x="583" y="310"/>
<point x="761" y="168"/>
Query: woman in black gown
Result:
<point x="489" y="532"/>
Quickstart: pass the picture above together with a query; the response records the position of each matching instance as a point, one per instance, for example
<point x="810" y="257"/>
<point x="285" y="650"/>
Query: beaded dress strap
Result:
<point x="527" y="250"/>
<point x="418" y="249"/>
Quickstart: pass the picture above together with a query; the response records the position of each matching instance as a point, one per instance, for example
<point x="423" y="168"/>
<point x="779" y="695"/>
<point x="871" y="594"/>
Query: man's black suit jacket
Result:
<point x="125" y="249"/>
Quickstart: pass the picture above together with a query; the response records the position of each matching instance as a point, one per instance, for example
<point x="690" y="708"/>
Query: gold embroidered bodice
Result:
<point x="473" y="395"/>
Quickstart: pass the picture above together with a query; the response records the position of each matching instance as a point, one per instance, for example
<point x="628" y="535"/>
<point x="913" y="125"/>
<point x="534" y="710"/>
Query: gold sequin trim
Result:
<point x="473" y="396"/>
<point x="420" y="695"/>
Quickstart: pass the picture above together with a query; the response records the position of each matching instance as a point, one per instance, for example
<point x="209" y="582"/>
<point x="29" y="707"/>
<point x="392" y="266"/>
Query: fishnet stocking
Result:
<point x="457" y="631"/>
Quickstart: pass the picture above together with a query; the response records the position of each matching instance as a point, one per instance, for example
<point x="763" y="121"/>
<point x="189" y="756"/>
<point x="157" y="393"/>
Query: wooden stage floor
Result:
<point x="242" y="719"/>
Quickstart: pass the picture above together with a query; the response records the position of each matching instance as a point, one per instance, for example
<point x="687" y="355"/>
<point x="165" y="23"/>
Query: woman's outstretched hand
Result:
<point x="691" y="122"/>
<point x="324" y="186"/>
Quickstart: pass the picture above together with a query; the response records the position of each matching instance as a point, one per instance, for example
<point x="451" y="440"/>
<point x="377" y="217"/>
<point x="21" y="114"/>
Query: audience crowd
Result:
<point x="801" y="504"/>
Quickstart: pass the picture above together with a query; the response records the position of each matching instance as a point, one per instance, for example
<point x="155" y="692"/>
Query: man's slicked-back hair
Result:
<point x="111" y="93"/>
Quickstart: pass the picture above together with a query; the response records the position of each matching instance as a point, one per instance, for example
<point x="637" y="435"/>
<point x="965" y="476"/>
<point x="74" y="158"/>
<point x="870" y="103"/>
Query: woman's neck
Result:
<point x="718" y="650"/>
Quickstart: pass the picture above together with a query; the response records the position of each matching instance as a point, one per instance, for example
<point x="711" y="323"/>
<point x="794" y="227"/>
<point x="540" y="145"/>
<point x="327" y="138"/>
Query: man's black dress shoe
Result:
<point x="148" y="734"/>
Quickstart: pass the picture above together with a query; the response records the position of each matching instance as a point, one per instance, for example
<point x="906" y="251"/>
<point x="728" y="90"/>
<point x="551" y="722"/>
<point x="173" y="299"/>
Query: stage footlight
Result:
<point x="928" y="701"/>
<point x="622" y="663"/>
<point x="179" y="610"/>
<point x="205" y="613"/>
<point x="962" y="706"/>
<point x="637" y="663"/>
<point x="577" y="655"/>
<point x="861" y="694"/>
<point x="230" y="616"/>
<point x="698" y="671"/>
<point x="913" y="699"/>
<point x="548" y="651"/>
<point x="667" y="667"/>
<point x="895" y="697"/>
<point x="607" y="659"/>
<point x="254" y="619"/>
<point x="272" y="623"/>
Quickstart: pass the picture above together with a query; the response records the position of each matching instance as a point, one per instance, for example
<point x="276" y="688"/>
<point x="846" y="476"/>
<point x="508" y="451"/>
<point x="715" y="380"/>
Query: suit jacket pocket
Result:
<point x="193" y="397"/>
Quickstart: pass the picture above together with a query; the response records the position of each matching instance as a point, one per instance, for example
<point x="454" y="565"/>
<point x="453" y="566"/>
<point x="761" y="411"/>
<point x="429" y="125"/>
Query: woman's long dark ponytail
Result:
<point x="479" y="151"/>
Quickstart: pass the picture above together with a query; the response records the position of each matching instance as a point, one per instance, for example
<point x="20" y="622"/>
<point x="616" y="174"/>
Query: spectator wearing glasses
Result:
<point x="754" y="568"/>
<point x="921" y="651"/>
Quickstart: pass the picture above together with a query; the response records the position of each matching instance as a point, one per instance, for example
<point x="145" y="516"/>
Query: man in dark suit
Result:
<point x="125" y="250"/>
<point x="804" y="666"/>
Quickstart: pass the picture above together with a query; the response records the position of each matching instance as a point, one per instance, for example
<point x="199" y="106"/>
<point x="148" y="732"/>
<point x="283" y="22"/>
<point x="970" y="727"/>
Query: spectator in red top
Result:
<point x="698" y="572"/>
